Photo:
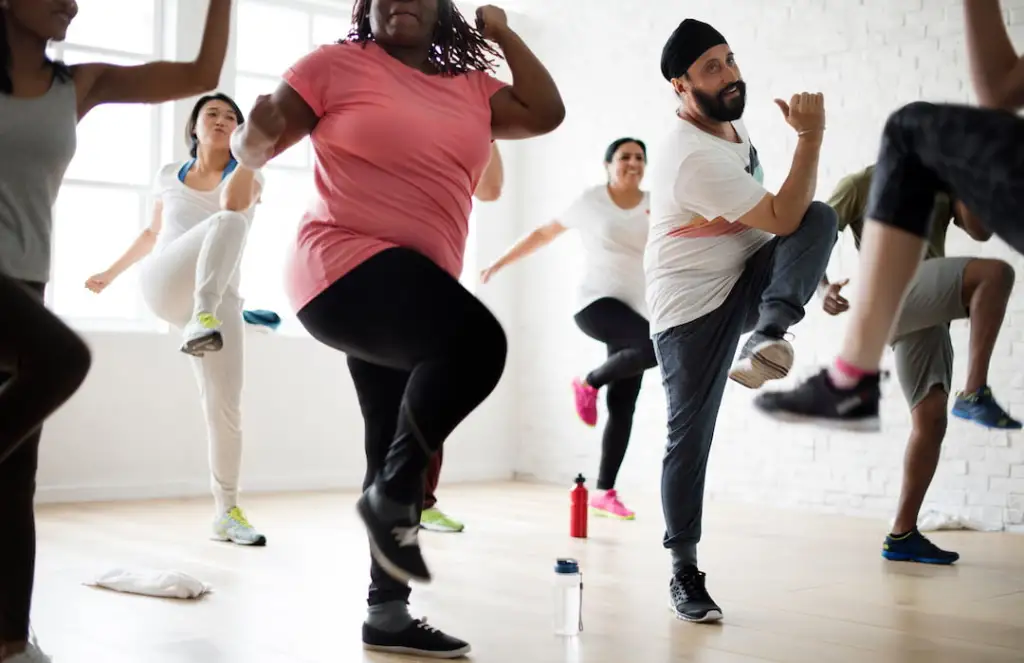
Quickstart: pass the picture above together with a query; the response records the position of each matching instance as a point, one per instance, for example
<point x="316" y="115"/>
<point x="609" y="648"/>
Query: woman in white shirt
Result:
<point x="612" y="219"/>
<point x="190" y="278"/>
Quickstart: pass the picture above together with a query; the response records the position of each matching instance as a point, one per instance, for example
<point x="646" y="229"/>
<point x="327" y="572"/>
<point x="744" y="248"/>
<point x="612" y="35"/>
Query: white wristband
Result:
<point x="251" y="147"/>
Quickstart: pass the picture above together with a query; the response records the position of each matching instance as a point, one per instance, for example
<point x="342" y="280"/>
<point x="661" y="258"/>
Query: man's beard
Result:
<point x="715" y="106"/>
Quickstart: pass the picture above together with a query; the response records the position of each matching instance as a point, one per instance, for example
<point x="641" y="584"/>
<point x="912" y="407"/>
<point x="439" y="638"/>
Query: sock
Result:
<point x="388" y="509"/>
<point x="392" y="616"/>
<point x="845" y="375"/>
<point x="683" y="556"/>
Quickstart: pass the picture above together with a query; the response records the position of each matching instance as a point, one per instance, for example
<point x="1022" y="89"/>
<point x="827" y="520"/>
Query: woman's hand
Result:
<point x="99" y="282"/>
<point x="491" y="21"/>
<point x="486" y="275"/>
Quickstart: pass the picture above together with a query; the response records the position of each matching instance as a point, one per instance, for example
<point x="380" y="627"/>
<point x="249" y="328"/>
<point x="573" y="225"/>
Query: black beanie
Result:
<point x="690" y="41"/>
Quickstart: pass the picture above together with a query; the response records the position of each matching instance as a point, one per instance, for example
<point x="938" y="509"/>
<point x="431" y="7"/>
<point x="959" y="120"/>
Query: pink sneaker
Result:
<point x="586" y="401"/>
<point x="609" y="506"/>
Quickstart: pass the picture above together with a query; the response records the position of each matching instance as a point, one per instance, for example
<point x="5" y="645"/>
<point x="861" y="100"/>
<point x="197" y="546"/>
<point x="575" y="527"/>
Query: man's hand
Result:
<point x="833" y="302"/>
<point x="805" y="112"/>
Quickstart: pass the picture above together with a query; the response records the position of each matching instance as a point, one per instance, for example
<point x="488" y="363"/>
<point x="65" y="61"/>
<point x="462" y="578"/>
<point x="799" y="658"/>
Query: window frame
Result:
<point x="140" y="319"/>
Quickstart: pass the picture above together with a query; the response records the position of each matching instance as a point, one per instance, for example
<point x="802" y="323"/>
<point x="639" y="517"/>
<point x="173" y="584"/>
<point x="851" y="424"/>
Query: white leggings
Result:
<point x="199" y="272"/>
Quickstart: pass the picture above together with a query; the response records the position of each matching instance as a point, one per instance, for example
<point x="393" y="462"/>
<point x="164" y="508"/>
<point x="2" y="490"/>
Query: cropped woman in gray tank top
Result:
<point x="43" y="362"/>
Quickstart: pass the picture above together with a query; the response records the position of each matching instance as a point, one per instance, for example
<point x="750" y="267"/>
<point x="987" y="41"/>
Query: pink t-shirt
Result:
<point x="398" y="156"/>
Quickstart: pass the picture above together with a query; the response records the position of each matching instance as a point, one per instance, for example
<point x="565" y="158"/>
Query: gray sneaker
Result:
<point x="234" y="527"/>
<point x="764" y="357"/>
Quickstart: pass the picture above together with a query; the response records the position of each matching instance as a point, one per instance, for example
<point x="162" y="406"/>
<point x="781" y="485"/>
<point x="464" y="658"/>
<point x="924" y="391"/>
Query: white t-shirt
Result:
<point x="184" y="207"/>
<point x="613" y="245"/>
<point x="691" y="263"/>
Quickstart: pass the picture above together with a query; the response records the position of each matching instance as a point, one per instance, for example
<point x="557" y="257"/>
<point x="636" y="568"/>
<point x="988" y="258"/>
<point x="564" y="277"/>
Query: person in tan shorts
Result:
<point x="943" y="289"/>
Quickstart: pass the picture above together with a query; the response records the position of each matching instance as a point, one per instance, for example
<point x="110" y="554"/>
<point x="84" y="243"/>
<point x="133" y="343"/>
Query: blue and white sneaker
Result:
<point x="981" y="408"/>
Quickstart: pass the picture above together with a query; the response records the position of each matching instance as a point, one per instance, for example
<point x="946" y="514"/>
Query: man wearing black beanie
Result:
<point x="724" y="257"/>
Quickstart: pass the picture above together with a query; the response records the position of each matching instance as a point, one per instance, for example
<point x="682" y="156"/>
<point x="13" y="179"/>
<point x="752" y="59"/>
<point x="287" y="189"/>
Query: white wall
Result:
<point x="135" y="429"/>
<point x="868" y="58"/>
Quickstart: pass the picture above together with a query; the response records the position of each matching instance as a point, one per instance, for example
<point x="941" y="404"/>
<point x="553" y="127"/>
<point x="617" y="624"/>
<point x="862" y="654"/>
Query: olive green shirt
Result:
<point x="850" y="200"/>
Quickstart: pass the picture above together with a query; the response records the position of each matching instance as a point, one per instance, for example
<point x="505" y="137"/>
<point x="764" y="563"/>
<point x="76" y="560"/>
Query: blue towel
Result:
<point x="261" y="317"/>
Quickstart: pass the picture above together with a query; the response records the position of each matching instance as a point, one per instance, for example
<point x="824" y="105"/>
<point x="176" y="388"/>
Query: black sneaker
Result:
<point x="916" y="547"/>
<point x="690" y="599"/>
<point x="816" y="400"/>
<point x="765" y="356"/>
<point x="418" y="639"/>
<point x="395" y="545"/>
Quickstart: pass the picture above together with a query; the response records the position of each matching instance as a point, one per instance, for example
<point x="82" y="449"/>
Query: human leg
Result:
<point x="971" y="153"/>
<point x="621" y="398"/>
<point x="433" y="518"/>
<point x="798" y="262"/>
<point x="455" y="354"/>
<point x="631" y="351"/>
<point x="42" y="363"/>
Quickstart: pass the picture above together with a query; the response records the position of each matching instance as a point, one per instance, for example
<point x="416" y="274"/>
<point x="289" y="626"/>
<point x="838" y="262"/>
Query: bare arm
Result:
<point x="996" y="69"/>
<point x="241" y="190"/>
<point x="488" y="189"/>
<point x="139" y="249"/>
<point x="157" y="82"/>
<point x="537" y="238"/>
<point x="532" y="105"/>
<point x="277" y="122"/>
<point x="782" y="213"/>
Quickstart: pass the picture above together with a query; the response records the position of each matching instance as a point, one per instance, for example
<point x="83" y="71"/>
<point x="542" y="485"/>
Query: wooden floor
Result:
<point x="795" y="588"/>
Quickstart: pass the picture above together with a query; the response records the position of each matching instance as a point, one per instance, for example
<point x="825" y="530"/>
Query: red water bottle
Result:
<point x="578" y="509"/>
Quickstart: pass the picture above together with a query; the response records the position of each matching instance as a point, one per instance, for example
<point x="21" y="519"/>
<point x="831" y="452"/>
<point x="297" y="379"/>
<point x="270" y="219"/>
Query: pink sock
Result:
<point x="845" y="375"/>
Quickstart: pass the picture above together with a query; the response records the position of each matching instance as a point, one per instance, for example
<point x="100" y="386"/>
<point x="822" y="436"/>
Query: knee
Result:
<point x="929" y="415"/>
<point x="489" y="347"/>
<point x="1000" y="274"/>
<point x="822" y="223"/>
<point x="622" y="398"/>
<point x="906" y="117"/>
<point x="231" y="220"/>
<point x="997" y="275"/>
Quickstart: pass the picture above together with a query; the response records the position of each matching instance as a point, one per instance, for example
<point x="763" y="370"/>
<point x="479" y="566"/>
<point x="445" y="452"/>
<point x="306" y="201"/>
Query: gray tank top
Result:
<point x="37" y="141"/>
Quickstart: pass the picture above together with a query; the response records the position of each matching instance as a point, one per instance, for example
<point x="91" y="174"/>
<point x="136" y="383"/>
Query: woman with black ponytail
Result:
<point x="612" y="220"/>
<point x="401" y="115"/>
<point x="42" y="361"/>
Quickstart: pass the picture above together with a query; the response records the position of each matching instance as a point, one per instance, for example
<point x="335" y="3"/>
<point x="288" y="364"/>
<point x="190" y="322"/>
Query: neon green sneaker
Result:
<point x="202" y="335"/>
<point x="234" y="527"/>
<point x="435" y="520"/>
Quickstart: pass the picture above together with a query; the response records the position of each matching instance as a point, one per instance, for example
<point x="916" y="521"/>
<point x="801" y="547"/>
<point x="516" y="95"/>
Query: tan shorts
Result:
<point x="924" y="352"/>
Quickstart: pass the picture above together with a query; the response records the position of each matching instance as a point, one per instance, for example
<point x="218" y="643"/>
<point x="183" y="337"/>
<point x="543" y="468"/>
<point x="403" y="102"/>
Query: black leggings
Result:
<point x="974" y="154"/>
<point x="42" y="363"/>
<point x="630" y="352"/>
<point x="423" y="353"/>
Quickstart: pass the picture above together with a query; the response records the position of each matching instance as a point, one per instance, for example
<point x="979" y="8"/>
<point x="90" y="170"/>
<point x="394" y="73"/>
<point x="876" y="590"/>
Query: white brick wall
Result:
<point x="868" y="57"/>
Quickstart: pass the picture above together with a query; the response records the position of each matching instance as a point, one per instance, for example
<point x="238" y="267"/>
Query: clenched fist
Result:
<point x="490" y="21"/>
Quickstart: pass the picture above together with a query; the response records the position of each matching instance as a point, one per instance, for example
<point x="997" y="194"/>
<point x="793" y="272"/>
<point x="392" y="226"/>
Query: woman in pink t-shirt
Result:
<point x="401" y="115"/>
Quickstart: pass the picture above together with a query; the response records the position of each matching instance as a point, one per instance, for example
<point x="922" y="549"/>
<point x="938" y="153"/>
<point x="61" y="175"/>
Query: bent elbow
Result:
<point x="488" y="193"/>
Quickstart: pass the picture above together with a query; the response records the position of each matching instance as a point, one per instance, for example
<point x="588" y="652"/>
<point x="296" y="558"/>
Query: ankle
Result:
<point x="845" y="375"/>
<point x="974" y="387"/>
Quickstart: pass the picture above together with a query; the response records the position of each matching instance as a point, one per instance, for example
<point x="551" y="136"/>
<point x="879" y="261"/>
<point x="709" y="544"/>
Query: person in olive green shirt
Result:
<point x="944" y="289"/>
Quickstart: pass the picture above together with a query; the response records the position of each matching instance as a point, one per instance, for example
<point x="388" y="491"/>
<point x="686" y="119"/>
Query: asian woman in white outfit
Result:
<point x="190" y="279"/>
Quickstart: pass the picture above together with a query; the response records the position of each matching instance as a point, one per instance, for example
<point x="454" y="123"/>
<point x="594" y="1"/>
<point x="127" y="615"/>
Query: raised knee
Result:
<point x="907" y="116"/>
<point x="492" y="344"/>
<point x="998" y="275"/>
<point x="231" y="219"/>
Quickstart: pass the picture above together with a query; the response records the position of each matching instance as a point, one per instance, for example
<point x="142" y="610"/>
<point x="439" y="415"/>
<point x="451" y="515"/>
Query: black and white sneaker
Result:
<point x="818" y="401"/>
<point x="689" y="597"/>
<point x="765" y="356"/>
<point x="418" y="639"/>
<point x="394" y="544"/>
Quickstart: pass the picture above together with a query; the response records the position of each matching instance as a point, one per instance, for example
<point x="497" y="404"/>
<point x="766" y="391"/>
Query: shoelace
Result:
<point x="207" y="320"/>
<point x="236" y="515"/>
<point x="691" y="587"/>
<point x="422" y="624"/>
<point x="406" y="536"/>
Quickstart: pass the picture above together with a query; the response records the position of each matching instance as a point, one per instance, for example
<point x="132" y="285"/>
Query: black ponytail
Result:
<point x="61" y="71"/>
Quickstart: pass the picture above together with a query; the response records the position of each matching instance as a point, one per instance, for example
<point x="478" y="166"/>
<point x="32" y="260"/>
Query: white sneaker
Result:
<point x="234" y="527"/>
<point x="201" y="335"/>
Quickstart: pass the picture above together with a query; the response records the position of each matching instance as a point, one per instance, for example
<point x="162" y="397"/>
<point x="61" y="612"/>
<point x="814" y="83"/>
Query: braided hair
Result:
<point x="61" y="71"/>
<point x="456" y="46"/>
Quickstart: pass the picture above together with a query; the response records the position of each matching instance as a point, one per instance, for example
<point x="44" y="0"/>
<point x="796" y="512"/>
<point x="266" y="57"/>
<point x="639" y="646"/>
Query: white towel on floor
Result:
<point x="162" y="584"/>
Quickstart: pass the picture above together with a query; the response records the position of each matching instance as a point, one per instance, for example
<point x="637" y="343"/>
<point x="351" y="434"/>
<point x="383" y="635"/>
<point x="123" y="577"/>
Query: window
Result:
<point x="105" y="200"/>
<point x="272" y="36"/>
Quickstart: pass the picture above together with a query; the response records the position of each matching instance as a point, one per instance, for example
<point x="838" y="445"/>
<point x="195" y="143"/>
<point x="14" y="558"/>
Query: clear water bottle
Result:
<point x="568" y="597"/>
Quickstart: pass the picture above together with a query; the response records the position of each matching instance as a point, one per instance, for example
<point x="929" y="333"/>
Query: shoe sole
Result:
<point x="392" y="569"/>
<point x="864" y="425"/>
<point x="430" y="527"/>
<point x="410" y="651"/>
<point x="258" y="543"/>
<point x="196" y="347"/>
<point x="768" y="361"/>
<point x="966" y="416"/>
<point x="601" y="513"/>
<point x="899" y="557"/>
<point x="709" y="617"/>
